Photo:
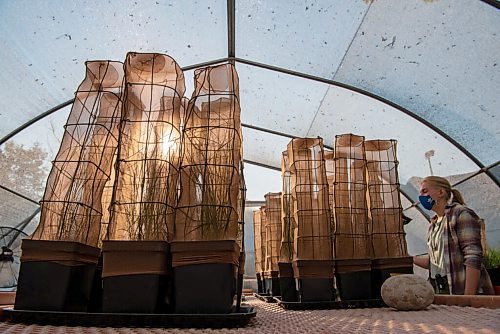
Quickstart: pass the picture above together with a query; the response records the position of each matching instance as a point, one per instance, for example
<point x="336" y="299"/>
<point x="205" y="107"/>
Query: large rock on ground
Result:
<point x="407" y="292"/>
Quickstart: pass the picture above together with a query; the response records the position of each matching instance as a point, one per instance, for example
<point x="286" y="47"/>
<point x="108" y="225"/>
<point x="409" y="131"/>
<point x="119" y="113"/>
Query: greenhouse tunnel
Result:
<point x="425" y="73"/>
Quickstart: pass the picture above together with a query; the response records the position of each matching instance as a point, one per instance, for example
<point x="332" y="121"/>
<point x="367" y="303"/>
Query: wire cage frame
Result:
<point x="211" y="158"/>
<point x="263" y="237"/>
<point x="387" y="232"/>
<point x="71" y="208"/>
<point x="312" y="235"/>
<point x="148" y="160"/>
<point x="346" y="173"/>
<point x="287" y="220"/>
<point x="257" y="240"/>
<point x="273" y="230"/>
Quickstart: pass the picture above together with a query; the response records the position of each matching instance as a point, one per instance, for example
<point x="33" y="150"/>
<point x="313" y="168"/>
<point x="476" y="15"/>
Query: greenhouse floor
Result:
<point x="271" y="318"/>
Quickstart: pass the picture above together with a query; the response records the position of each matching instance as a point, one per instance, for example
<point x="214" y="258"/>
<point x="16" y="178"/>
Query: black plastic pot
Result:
<point x="353" y="278"/>
<point x="95" y="302"/>
<point x="136" y="277"/>
<point x="202" y="282"/>
<point x="494" y="274"/>
<point x="62" y="282"/>
<point x="260" y="283"/>
<point x="287" y="282"/>
<point x="382" y="269"/>
<point x="314" y="279"/>
<point x="272" y="283"/>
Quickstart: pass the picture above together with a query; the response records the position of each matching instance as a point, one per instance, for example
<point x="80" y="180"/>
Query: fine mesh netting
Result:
<point x="71" y="208"/>
<point x="273" y="230"/>
<point x="287" y="220"/>
<point x="346" y="170"/>
<point x="312" y="237"/>
<point x="211" y="157"/>
<point x="148" y="157"/>
<point x="387" y="233"/>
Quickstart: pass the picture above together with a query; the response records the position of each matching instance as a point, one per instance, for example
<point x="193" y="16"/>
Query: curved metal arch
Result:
<point x="378" y="98"/>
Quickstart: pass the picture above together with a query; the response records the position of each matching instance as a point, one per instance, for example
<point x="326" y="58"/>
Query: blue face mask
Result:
<point x="426" y="201"/>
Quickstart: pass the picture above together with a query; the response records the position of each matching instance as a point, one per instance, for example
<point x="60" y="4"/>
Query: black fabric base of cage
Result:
<point x="144" y="293"/>
<point x="288" y="289"/>
<point x="51" y="286"/>
<point x="315" y="289"/>
<point x="265" y="297"/>
<point x="204" y="288"/>
<point x="273" y="286"/>
<point x="239" y="291"/>
<point x="354" y="285"/>
<point x="378" y="277"/>
<point x="328" y="305"/>
<point x="236" y="319"/>
<point x="260" y="283"/>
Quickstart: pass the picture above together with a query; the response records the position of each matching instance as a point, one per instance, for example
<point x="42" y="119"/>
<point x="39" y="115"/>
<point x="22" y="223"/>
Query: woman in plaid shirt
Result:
<point x="454" y="239"/>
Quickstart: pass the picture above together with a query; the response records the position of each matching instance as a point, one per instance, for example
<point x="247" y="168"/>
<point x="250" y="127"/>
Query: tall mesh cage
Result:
<point x="144" y="195"/>
<point x="287" y="219"/>
<point x="313" y="251"/>
<point x="210" y="196"/>
<point x="273" y="241"/>
<point x="286" y="277"/>
<point x="387" y="233"/>
<point x="71" y="207"/>
<point x="257" y="239"/>
<point x="61" y="259"/>
<point x="346" y="169"/>
<point x="148" y="153"/>
<point x="212" y="143"/>
<point x="263" y="248"/>
<point x="310" y="200"/>
<point x="348" y="197"/>
<point x="241" y="237"/>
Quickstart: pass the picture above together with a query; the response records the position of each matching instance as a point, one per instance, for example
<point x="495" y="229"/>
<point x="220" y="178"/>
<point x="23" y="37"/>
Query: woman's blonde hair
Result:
<point x="443" y="183"/>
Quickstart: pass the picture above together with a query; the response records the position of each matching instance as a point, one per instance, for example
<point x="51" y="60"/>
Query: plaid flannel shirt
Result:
<point x="462" y="247"/>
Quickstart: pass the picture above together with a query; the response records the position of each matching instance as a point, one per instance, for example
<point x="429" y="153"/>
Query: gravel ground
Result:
<point x="273" y="319"/>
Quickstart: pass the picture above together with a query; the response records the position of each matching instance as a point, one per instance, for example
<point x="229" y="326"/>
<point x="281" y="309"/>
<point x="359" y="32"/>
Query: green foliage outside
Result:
<point x="492" y="258"/>
<point x="22" y="169"/>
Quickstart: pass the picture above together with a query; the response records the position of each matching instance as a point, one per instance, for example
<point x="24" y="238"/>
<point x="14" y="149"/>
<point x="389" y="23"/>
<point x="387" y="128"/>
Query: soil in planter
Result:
<point x="208" y="288"/>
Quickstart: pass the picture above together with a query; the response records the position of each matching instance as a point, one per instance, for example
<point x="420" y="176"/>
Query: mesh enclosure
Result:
<point x="71" y="207"/>
<point x="257" y="240"/>
<point x="263" y="238"/>
<point x="387" y="233"/>
<point x="346" y="173"/>
<point x="273" y="230"/>
<point x="287" y="220"/>
<point x="241" y="212"/>
<point x="210" y="175"/>
<point x="312" y="236"/>
<point x="148" y="153"/>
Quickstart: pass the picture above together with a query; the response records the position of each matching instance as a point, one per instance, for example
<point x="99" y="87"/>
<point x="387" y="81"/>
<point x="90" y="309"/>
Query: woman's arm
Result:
<point x="471" y="280"/>
<point x="421" y="261"/>
<point x="468" y="231"/>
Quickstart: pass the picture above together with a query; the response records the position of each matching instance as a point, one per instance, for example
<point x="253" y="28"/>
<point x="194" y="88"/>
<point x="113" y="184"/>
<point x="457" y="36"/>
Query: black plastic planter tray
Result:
<point x="265" y="297"/>
<point x="131" y="319"/>
<point x="327" y="305"/>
